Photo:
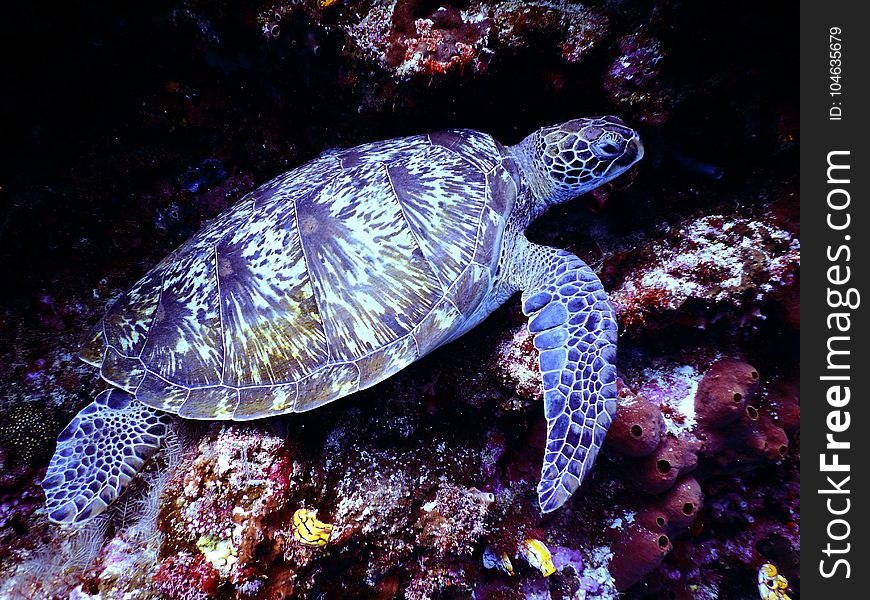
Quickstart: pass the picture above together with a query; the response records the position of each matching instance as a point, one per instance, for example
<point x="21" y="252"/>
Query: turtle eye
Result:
<point x="608" y="145"/>
<point x="610" y="148"/>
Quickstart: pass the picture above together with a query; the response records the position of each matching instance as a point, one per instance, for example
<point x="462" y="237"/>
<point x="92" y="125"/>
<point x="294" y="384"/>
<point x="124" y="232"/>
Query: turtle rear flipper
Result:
<point x="575" y="331"/>
<point x="98" y="453"/>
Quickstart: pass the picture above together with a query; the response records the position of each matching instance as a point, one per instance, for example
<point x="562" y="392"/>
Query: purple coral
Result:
<point x="634" y="80"/>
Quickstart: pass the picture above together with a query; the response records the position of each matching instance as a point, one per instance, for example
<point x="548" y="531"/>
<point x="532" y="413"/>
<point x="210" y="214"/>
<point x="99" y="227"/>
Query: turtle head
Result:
<point x="564" y="161"/>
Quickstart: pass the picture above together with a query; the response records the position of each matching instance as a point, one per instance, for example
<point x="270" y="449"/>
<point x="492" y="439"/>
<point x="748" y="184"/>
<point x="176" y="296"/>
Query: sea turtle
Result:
<point x="335" y="275"/>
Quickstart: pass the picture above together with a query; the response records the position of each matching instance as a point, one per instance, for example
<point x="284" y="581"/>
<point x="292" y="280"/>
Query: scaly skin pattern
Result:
<point x="572" y="320"/>
<point x="99" y="453"/>
<point x="575" y="331"/>
<point x="335" y="275"/>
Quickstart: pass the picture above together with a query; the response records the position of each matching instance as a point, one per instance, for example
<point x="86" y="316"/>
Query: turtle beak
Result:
<point x="633" y="152"/>
<point x="637" y="146"/>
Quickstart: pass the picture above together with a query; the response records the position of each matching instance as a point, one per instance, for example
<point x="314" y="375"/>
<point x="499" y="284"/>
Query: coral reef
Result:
<point x="187" y="577"/>
<point x="722" y="452"/>
<point x="634" y="79"/>
<point x="410" y="38"/>
<point x="428" y="480"/>
<point x="711" y="261"/>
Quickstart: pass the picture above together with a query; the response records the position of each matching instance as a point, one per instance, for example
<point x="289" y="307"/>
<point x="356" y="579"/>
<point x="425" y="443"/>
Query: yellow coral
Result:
<point x="505" y="563"/>
<point x="321" y="4"/>
<point x="308" y="530"/>
<point x="220" y="553"/>
<point x="771" y="585"/>
<point x="538" y="556"/>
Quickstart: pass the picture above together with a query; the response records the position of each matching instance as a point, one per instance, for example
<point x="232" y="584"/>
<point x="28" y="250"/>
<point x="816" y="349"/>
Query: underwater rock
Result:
<point x="409" y="38"/>
<point x="575" y="27"/>
<point x="634" y="81"/>
<point x="517" y="364"/>
<point x="455" y="521"/>
<point x="761" y="517"/>
<point x="671" y="385"/>
<point x="20" y="497"/>
<point x="216" y="504"/>
<point x="783" y="399"/>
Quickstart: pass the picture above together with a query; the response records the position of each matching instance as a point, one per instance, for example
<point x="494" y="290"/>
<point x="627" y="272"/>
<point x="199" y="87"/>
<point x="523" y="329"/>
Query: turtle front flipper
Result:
<point x="575" y="331"/>
<point x="98" y="453"/>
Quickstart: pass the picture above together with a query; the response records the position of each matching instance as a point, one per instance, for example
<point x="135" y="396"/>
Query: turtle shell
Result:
<point x="324" y="281"/>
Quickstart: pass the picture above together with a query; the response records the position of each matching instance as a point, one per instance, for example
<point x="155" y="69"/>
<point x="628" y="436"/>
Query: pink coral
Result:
<point x="240" y="477"/>
<point x="734" y="261"/>
<point x="517" y="364"/>
<point x="455" y="521"/>
<point x="187" y="577"/>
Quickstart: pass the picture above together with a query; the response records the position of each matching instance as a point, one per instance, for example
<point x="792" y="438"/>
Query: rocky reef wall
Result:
<point x="127" y="127"/>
